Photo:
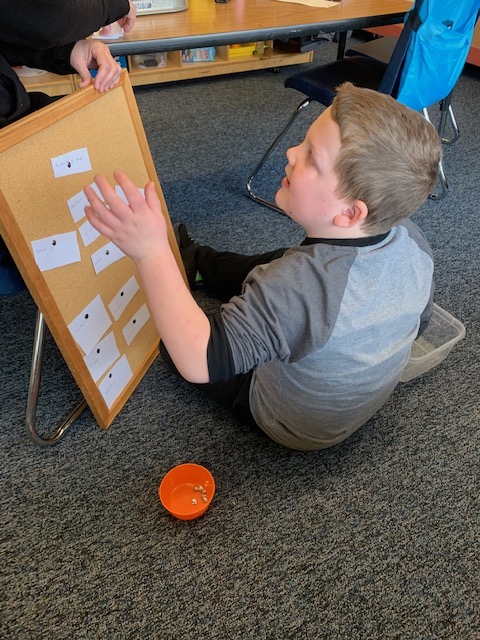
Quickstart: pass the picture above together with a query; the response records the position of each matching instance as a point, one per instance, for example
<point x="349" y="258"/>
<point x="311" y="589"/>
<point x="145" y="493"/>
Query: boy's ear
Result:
<point x="352" y="215"/>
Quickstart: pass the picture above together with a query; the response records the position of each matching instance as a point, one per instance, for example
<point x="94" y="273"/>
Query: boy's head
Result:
<point x="366" y="163"/>
<point x="389" y="156"/>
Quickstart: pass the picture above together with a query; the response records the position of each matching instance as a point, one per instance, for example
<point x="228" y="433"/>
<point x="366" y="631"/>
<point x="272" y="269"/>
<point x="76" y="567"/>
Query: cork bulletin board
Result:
<point x="88" y="291"/>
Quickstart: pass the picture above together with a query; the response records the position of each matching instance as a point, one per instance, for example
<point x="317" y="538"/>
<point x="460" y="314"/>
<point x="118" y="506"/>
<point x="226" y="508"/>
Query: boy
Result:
<point x="317" y="339"/>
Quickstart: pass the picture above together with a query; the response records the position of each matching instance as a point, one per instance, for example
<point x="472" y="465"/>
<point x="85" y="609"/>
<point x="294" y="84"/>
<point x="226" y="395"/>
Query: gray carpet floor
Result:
<point x="376" y="538"/>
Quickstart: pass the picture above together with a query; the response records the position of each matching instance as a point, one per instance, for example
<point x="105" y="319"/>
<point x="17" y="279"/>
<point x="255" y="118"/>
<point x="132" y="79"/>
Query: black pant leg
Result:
<point x="223" y="272"/>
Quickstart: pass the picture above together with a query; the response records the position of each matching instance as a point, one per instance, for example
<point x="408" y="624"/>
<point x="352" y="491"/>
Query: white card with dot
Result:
<point x="56" y="251"/>
<point x="135" y="324"/>
<point x="118" y="305"/>
<point x="90" y="324"/>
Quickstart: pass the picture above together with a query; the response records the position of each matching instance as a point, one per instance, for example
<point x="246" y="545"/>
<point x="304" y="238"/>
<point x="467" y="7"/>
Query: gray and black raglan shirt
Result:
<point x="328" y="329"/>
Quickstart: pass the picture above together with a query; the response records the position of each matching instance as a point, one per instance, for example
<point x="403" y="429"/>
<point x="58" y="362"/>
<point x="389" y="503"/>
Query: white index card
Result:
<point x="90" y="324"/>
<point x="135" y="323"/>
<point x="56" y="251"/>
<point x="102" y="356"/>
<point x="97" y="191"/>
<point x="106" y="256"/>
<point x="118" y="305"/>
<point x="88" y="233"/>
<point x="77" y="161"/>
<point x="76" y="205"/>
<point x="115" y="381"/>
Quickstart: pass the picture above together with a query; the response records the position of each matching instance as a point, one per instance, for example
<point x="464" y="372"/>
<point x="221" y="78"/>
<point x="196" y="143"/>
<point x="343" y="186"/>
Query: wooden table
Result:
<point x="207" y="23"/>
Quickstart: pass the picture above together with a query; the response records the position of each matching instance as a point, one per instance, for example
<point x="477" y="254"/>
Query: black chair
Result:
<point x="318" y="84"/>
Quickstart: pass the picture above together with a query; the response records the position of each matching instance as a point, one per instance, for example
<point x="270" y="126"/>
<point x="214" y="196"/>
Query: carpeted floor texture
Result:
<point x="376" y="538"/>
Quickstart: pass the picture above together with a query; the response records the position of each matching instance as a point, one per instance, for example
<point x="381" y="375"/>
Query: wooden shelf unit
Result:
<point x="176" y="69"/>
<point x="50" y="83"/>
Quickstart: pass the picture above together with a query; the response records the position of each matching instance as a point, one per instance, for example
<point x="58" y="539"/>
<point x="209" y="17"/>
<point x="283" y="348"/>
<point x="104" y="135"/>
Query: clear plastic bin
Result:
<point x="150" y="60"/>
<point x="434" y="344"/>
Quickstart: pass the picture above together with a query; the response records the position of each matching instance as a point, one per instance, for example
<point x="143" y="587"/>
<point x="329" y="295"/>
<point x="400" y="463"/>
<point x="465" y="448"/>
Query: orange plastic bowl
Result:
<point x="186" y="491"/>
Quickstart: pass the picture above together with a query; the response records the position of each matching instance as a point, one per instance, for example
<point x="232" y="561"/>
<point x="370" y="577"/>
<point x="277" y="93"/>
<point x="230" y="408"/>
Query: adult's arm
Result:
<point x="51" y="23"/>
<point x="55" y="60"/>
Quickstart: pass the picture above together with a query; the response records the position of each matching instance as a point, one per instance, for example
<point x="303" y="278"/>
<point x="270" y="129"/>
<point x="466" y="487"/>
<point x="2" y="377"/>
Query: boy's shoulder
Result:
<point x="417" y="235"/>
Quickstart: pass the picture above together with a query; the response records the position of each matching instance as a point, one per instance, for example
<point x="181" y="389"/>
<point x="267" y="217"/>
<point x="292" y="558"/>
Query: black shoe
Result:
<point x="11" y="281"/>
<point x="188" y="249"/>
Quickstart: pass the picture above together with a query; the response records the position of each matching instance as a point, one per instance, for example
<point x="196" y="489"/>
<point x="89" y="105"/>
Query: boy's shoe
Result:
<point x="188" y="250"/>
<point x="11" y="281"/>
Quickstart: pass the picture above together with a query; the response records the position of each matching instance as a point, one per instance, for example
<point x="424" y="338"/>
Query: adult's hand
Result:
<point x="126" y="23"/>
<point x="90" y="54"/>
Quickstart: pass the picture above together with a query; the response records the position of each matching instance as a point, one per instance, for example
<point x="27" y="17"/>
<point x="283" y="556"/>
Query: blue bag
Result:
<point x="437" y="51"/>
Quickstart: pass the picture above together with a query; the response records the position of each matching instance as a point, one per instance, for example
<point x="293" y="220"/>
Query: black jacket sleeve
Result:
<point x="14" y="100"/>
<point x="42" y="35"/>
<point x="53" y="23"/>
<point x="55" y="60"/>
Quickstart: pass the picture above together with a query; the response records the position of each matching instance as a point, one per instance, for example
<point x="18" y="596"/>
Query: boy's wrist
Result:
<point x="155" y="258"/>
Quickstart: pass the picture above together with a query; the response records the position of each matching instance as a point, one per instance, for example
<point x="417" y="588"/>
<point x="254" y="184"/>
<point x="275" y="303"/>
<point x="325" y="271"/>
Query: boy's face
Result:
<point x="308" y="190"/>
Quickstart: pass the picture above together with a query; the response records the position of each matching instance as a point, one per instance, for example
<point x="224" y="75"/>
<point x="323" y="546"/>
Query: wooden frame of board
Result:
<point x="33" y="205"/>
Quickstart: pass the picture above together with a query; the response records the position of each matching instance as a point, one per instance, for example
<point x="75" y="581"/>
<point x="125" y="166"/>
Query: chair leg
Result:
<point x="267" y="154"/>
<point x="443" y="183"/>
<point x="446" y="111"/>
<point x="441" y="172"/>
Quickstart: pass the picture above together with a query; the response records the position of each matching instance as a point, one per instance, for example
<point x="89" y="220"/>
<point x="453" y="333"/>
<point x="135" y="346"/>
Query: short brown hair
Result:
<point x="389" y="155"/>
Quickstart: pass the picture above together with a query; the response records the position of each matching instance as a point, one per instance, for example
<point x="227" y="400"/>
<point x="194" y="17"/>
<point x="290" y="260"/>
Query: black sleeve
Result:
<point x="220" y="362"/>
<point x="52" y="23"/>
<point x="55" y="60"/>
<point x="14" y="100"/>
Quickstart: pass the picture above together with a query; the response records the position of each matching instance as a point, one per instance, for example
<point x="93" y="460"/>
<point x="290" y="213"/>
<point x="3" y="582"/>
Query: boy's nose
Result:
<point x="290" y="154"/>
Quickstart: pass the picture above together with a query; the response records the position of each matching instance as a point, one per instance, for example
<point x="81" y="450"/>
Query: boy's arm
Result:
<point x="139" y="230"/>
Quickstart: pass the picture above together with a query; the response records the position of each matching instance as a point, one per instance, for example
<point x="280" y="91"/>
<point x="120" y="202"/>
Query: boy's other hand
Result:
<point x="137" y="228"/>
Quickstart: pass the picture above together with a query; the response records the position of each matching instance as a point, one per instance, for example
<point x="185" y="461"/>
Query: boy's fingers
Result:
<point x="151" y="196"/>
<point x="104" y="186"/>
<point x="96" y="221"/>
<point x="131" y="192"/>
<point x="98" y="208"/>
<point x="109" y="205"/>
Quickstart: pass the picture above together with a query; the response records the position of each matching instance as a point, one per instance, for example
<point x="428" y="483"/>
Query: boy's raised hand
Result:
<point x="137" y="228"/>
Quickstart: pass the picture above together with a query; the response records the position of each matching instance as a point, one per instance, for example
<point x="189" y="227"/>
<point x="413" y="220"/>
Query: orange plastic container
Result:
<point x="186" y="491"/>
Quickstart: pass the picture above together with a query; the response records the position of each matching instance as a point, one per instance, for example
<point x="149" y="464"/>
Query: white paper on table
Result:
<point x="106" y="256"/>
<point x="115" y="381"/>
<point x="135" y="323"/>
<point x="88" y="233"/>
<point x="56" y="251"/>
<point x="121" y="193"/>
<point x="319" y="4"/>
<point x="116" y="32"/>
<point x="118" y="305"/>
<point x="90" y="324"/>
<point x="76" y="161"/>
<point x="102" y="356"/>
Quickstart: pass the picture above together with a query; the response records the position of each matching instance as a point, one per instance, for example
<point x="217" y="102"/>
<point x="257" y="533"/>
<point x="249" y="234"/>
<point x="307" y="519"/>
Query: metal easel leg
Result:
<point x="33" y="390"/>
